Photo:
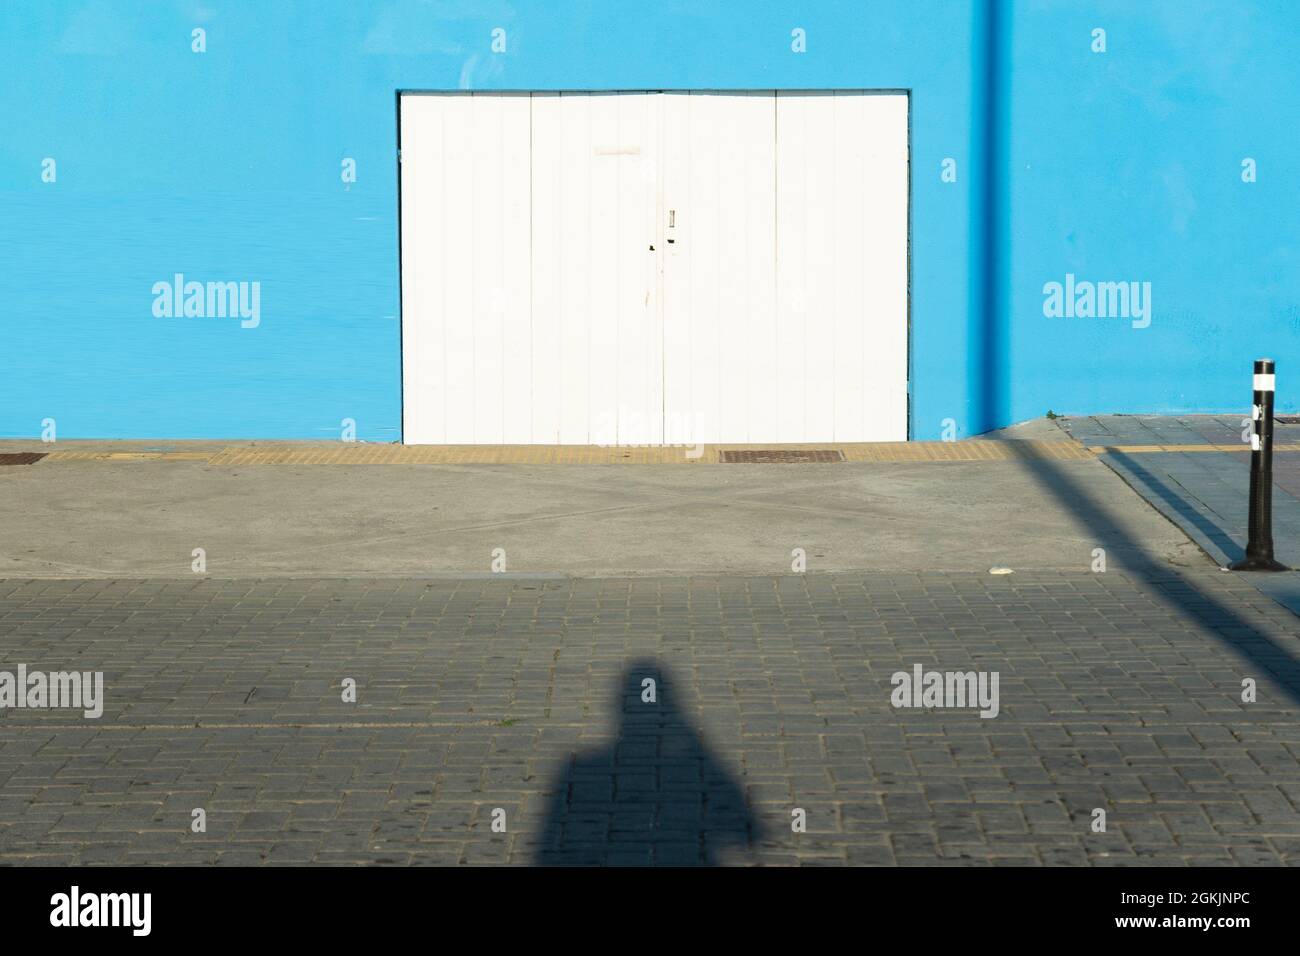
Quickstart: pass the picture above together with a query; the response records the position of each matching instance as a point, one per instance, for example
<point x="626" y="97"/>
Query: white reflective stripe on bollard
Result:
<point x="1264" y="383"/>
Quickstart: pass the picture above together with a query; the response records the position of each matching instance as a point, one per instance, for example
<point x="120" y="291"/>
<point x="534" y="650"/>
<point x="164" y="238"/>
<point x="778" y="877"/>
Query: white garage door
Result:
<point x="641" y="268"/>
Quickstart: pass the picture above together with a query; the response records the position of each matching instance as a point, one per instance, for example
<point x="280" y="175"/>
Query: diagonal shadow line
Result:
<point x="992" y="230"/>
<point x="1216" y="617"/>
<point x="1175" y="503"/>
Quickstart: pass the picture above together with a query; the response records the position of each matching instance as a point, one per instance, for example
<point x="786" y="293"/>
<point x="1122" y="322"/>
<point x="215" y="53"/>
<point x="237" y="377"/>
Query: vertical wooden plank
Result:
<point x="647" y="236"/>
<point x="733" y="157"/>
<point x="423" y="373"/>
<point x="719" y="310"/>
<point x="758" y="325"/>
<point x="842" y="210"/>
<point x="603" y="275"/>
<point x="636" y="307"/>
<point x="489" y="272"/>
<point x="792" y="148"/>
<point x="549" y="253"/>
<point x="516" y="253"/>
<point x="654" y="240"/>
<point x="703" y="243"/>
<point x="460" y="226"/>
<point x="575" y="292"/>
<point x="884" y="174"/>
<point x="677" y="311"/>
<point x="848" y="256"/>
<point x="821" y="278"/>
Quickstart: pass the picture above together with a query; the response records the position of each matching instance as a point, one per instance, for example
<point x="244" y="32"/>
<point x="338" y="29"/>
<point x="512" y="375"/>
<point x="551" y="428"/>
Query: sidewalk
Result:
<point x="1205" y="493"/>
<point x="140" y="510"/>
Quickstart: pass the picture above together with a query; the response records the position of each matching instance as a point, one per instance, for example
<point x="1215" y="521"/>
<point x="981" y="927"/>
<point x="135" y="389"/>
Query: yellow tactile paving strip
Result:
<point x="972" y="450"/>
<point x="1151" y="449"/>
<point x="129" y="456"/>
<point x="454" y="455"/>
<point x="364" y="454"/>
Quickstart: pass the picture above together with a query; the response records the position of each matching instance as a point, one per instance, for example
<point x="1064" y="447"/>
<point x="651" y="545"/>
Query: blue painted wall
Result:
<point x="225" y="165"/>
<point x="1127" y="165"/>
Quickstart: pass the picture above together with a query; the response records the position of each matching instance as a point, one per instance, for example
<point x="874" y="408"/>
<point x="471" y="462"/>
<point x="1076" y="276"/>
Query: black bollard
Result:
<point x="1259" y="549"/>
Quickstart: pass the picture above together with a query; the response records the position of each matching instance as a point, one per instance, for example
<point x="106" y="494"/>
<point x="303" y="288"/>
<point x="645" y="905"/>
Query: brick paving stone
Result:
<point x="1117" y="690"/>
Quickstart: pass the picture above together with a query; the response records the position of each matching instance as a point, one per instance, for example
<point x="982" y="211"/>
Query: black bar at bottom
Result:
<point x="480" y="908"/>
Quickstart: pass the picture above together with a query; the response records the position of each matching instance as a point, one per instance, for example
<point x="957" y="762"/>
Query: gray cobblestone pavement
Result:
<point x="772" y="694"/>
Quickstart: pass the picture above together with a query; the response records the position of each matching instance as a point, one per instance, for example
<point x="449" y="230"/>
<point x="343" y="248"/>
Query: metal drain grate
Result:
<point x="773" y="456"/>
<point x="21" y="457"/>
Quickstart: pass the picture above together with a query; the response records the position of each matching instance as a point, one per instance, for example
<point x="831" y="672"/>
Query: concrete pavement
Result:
<point x="145" y="518"/>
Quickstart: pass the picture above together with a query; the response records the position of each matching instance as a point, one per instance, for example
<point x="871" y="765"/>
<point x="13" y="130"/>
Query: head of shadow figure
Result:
<point x="654" y="796"/>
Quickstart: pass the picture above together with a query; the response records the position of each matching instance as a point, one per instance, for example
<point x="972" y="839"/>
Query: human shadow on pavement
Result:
<point x="656" y="796"/>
